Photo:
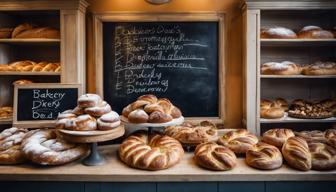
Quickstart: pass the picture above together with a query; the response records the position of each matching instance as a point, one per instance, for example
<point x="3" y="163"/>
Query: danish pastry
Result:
<point x="215" y="157"/>
<point x="155" y="152"/>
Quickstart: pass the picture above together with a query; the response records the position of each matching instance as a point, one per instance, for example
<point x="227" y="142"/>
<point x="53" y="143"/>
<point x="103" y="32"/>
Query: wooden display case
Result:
<point x="69" y="49"/>
<point x="258" y="14"/>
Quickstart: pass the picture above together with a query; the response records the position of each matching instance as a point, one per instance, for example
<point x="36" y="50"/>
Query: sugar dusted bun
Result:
<point x="102" y="108"/>
<point x="108" y="121"/>
<point x="215" y="157"/>
<point x="278" y="33"/>
<point x="138" y="116"/>
<point x="280" y="68"/>
<point x="89" y="100"/>
<point x="264" y="156"/>
<point x="314" y="32"/>
<point x="296" y="153"/>
<point x="277" y="137"/>
<point x="64" y="118"/>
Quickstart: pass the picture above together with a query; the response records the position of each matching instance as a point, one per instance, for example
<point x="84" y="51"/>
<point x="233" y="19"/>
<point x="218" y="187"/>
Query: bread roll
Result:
<point x="239" y="141"/>
<point x="277" y="137"/>
<point x="314" y="32"/>
<point x="264" y="156"/>
<point x="278" y="33"/>
<point x="22" y="82"/>
<point x="296" y="153"/>
<point x="214" y="157"/>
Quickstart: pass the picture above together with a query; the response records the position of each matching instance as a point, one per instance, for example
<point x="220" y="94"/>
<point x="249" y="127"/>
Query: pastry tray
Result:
<point x="307" y="117"/>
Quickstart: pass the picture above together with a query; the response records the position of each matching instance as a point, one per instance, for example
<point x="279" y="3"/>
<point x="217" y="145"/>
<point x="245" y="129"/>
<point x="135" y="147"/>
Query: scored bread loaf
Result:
<point x="296" y="153"/>
<point x="277" y="137"/>
<point x="271" y="110"/>
<point x="278" y="33"/>
<point x="264" y="156"/>
<point x="239" y="141"/>
<point x="314" y="32"/>
<point x="323" y="156"/>
<point x="280" y="68"/>
<point x="154" y="152"/>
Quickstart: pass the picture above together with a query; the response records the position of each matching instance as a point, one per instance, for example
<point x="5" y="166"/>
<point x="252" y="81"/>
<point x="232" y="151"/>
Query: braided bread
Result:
<point x="6" y="112"/>
<point x="214" y="157"/>
<point x="323" y="156"/>
<point x="155" y="152"/>
<point x="296" y="153"/>
<point x="150" y="109"/>
<point x="239" y="141"/>
<point x="10" y="150"/>
<point x="45" y="148"/>
<point x="194" y="134"/>
<point x="277" y="137"/>
<point x="22" y="82"/>
<point x="264" y="156"/>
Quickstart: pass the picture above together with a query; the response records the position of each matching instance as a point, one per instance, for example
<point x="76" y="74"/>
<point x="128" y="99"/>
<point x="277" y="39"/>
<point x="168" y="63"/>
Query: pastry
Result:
<point x="193" y="134"/>
<point x="323" y="156"/>
<point x="6" y="112"/>
<point x="264" y="156"/>
<point x="65" y="120"/>
<point x="22" y="82"/>
<point x="320" y="68"/>
<point x="157" y="110"/>
<point x="154" y="152"/>
<point x="81" y="123"/>
<point x="215" y="157"/>
<point x="314" y="32"/>
<point x="309" y="110"/>
<point x="5" y="33"/>
<point x="102" y="108"/>
<point x="239" y="141"/>
<point x="108" y="121"/>
<point x="45" y="148"/>
<point x="270" y="110"/>
<point x="278" y="33"/>
<point x="88" y="100"/>
<point x="277" y="137"/>
<point x="10" y="142"/>
<point x="280" y="68"/>
<point x="296" y="153"/>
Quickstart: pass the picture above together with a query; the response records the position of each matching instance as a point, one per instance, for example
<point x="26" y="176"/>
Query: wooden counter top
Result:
<point x="115" y="171"/>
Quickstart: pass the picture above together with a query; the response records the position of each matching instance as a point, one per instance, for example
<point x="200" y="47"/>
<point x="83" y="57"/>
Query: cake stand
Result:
<point x="151" y="126"/>
<point x="92" y="137"/>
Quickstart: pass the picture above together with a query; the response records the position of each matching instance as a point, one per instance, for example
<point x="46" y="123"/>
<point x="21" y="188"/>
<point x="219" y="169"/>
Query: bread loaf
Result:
<point x="278" y="33"/>
<point x="264" y="156"/>
<point x="323" y="156"/>
<point x="277" y="137"/>
<point x="314" y="32"/>
<point x="320" y="68"/>
<point x="270" y="110"/>
<point x="296" y="153"/>
<point x="39" y="32"/>
<point x="10" y="142"/>
<point x="280" y="68"/>
<point x="239" y="141"/>
<point x="5" y="32"/>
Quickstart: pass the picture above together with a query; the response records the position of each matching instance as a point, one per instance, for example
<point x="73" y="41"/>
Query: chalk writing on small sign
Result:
<point x="43" y="102"/>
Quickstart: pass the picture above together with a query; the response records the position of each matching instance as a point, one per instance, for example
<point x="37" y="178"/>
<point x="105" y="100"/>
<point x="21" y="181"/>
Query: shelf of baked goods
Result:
<point x="28" y="73"/>
<point x="30" y="68"/>
<point x="297" y="42"/>
<point x="30" y="41"/>
<point x="287" y="119"/>
<point x="298" y="76"/>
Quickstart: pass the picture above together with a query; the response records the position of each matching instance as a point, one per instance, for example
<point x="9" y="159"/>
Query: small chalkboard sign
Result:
<point x="38" y="105"/>
<point x="179" y="57"/>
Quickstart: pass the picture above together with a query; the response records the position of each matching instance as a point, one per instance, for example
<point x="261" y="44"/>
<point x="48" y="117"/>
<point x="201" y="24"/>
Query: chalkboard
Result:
<point x="39" y="104"/>
<point x="175" y="60"/>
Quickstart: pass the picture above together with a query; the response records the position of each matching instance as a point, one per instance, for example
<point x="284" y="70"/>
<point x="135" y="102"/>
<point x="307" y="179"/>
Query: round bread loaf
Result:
<point x="296" y="153"/>
<point x="155" y="152"/>
<point x="264" y="156"/>
<point x="323" y="156"/>
<point x="10" y="146"/>
<point x="45" y="148"/>
<point x="278" y="33"/>
<point x="312" y="136"/>
<point x="314" y="32"/>
<point x="269" y="110"/>
<point x="239" y="141"/>
<point x="277" y="137"/>
<point x="214" y="157"/>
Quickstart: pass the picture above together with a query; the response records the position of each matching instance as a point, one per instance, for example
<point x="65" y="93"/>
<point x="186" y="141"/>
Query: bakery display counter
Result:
<point x="116" y="171"/>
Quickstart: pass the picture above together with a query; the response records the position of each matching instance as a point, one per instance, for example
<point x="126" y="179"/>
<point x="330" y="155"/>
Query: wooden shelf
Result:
<point x="295" y="120"/>
<point x="297" y="76"/>
<point x="186" y="170"/>
<point x="12" y="73"/>
<point x="30" y="41"/>
<point x="6" y="121"/>
<point x="296" y="42"/>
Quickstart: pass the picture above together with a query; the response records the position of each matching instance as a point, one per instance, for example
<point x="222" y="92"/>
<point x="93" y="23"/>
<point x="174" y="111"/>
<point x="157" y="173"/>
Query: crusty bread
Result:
<point x="39" y="32"/>
<point x="278" y="33"/>
<point x="323" y="156"/>
<point x="271" y="110"/>
<point x="320" y="68"/>
<point x="264" y="156"/>
<point x="277" y="137"/>
<point x="20" y="28"/>
<point x="154" y="152"/>
<point x="314" y="32"/>
<point x="296" y="153"/>
<point x="280" y="68"/>
<point x="5" y="32"/>
<point x="215" y="157"/>
<point x="239" y="141"/>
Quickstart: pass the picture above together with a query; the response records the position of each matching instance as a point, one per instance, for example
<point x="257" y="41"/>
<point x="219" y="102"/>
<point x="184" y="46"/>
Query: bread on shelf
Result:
<point x="30" y="66"/>
<point x="273" y="109"/>
<point x="277" y="136"/>
<point x="6" y="112"/>
<point x="280" y="68"/>
<point x="26" y="31"/>
<point x="323" y="156"/>
<point x="314" y="32"/>
<point x="320" y="68"/>
<point x="5" y="32"/>
<point x="278" y="33"/>
<point x="309" y="110"/>
<point x="150" y="109"/>
<point x="22" y="82"/>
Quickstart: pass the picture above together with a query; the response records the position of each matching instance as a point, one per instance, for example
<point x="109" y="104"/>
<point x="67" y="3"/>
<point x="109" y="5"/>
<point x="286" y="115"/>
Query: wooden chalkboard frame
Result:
<point x="38" y="123"/>
<point x="99" y="19"/>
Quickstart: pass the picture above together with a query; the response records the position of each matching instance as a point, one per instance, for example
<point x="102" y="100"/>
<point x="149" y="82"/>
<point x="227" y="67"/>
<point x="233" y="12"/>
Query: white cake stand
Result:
<point x="151" y="126"/>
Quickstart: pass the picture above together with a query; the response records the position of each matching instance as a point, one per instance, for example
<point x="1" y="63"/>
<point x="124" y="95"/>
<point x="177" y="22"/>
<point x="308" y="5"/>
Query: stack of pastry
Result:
<point x="311" y="110"/>
<point x="193" y="134"/>
<point x="92" y="113"/>
<point x="31" y="66"/>
<point x="150" y="109"/>
<point x="273" y="109"/>
<point x="26" y="31"/>
<point x="6" y="112"/>
<point x="307" y="32"/>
